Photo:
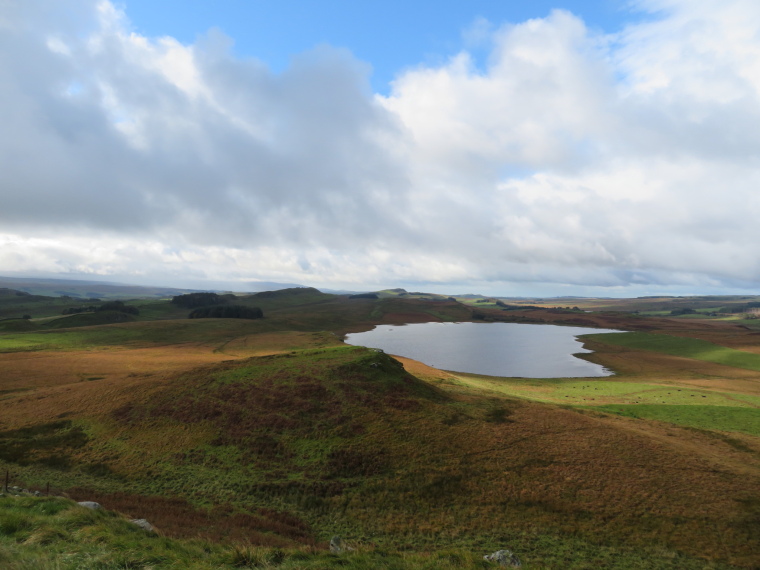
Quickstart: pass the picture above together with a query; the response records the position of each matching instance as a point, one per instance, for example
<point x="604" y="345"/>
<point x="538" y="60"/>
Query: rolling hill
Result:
<point x="272" y="432"/>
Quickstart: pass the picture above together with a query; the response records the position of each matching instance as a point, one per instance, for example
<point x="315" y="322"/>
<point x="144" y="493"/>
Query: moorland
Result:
<point x="250" y="442"/>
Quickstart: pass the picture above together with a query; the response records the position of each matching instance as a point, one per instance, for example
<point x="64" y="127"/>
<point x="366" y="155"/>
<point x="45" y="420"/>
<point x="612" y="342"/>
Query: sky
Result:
<point x="607" y="148"/>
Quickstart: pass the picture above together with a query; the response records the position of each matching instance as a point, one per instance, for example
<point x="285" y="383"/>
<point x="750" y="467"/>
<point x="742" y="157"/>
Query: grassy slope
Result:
<point x="680" y="346"/>
<point x="35" y="306"/>
<point x="721" y="418"/>
<point x="342" y="440"/>
<point x="386" y="458"/>
<point x="56" y="534"/>
<point x="710" y="408"/>
<point x="601" y="391"/>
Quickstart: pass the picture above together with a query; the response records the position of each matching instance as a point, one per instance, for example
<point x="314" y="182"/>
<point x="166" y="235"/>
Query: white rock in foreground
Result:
<point x="143" y="524"/>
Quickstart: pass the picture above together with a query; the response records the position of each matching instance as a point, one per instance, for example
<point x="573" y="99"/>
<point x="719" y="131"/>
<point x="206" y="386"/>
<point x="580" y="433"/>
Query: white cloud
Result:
<point x="570" y="158"/>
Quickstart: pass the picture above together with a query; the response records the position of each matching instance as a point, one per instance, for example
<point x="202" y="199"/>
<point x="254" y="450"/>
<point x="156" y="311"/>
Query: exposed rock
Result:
<point x="504" y="558"/>
<point x="336" y="544"/>
<point x="143" y="524"/>
<point x="90" y="505"/>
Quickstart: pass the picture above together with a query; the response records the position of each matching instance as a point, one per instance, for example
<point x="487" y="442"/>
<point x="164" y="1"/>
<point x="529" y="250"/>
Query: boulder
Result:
<point x="336" y="545"/>
<point x="504" y="558"/>
<point x="90" y="505"/>
<point x="143" y="524"/>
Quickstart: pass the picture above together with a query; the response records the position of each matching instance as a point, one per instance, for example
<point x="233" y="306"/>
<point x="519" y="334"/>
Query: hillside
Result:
<point x="56" y="533"/>
<point x="274" y="433"/>
<point x="83" y="289"/>
<point x="349" y="443"/>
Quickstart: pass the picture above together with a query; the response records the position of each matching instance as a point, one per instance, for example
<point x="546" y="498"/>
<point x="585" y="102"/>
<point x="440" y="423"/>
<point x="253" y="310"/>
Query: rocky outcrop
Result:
<point x="504" y="558"/>
<point x="143" y="524"/>
<point x="336" y="545"/>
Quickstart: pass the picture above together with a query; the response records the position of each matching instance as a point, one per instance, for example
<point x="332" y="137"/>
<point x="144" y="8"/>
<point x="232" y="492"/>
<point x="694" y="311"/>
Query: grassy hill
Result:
<point x="253" y="442"/>
<point x="342" y="440"/>
<point x="53" y="533"/>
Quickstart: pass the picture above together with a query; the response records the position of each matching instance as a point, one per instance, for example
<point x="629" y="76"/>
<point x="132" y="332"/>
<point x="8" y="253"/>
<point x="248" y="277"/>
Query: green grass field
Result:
<point x="587" y="391"/>
<point x="680" y="346"/>
<point x="703" y="409"/>
<point x="707" y="417"/>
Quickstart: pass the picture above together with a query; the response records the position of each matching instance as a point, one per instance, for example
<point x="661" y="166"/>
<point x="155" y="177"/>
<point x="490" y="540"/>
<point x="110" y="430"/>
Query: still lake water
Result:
<point x="494" y="349"/>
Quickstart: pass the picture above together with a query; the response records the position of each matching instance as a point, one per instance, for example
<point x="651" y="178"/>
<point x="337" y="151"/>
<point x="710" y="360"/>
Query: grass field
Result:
<point x="681" y="346"/>
<point x="599" y="392"/>
<point x="131" y="335"/>
<point x="715" y="418"/>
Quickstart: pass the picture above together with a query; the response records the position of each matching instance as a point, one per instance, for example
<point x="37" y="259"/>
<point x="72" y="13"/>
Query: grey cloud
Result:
<point x="249" y="155"/>
<point x="571" y="159"/>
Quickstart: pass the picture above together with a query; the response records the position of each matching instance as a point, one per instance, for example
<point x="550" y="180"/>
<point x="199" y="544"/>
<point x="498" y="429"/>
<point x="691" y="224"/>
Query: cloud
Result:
<point x="120" y="132"/>
<point x="569" y="158"/>
<point x="602" y="157"/>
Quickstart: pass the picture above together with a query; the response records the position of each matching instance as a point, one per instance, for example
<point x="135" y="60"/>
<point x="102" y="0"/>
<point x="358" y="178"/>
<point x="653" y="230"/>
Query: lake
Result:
<point x="494" y="349"/>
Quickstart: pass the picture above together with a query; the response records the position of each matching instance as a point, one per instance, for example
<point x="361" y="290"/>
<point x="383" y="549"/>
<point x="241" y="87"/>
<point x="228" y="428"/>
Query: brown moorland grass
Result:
<point x="176" y="518"/>
<point x="349" y="447"/>
<point x="381" y="455"/>
<point x="25" y="370"/>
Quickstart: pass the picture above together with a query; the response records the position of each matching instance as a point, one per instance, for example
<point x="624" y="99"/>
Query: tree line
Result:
<point x="119" y="306"/>
<point x="227" y="312"/>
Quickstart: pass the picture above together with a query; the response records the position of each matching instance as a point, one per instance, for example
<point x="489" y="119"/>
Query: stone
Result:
<point x="143" y="524"/>
<point x="504" y="558"/>
<point x="90" y="505"/>
<point x="336" y="545"/>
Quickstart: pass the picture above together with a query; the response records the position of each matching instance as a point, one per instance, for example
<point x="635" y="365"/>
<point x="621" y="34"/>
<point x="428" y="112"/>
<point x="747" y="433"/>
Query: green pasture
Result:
<point x="703" y="409"/>
<point x="680" y="346"/>
<point x="714" y="418"/>
<point x="587" y="391"/>
<point x="749" y="323"/>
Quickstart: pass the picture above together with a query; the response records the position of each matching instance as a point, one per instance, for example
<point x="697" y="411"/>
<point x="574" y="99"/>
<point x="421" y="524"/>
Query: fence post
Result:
<point x="7" y="477"/>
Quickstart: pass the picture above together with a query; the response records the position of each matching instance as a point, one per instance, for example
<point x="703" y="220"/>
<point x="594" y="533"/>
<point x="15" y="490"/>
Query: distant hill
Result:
<point x="10" y="295"/>
<point x="289" y="292"/>
<point x="85" y="289"/>
<point x="258" y="286"/>
<point x="81" y="289"/>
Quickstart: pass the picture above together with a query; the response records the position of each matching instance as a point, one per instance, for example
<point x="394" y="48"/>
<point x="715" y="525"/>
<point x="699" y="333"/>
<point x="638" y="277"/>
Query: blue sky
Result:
<point x="390" y="35"/>
<point x="525" y="149"/>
